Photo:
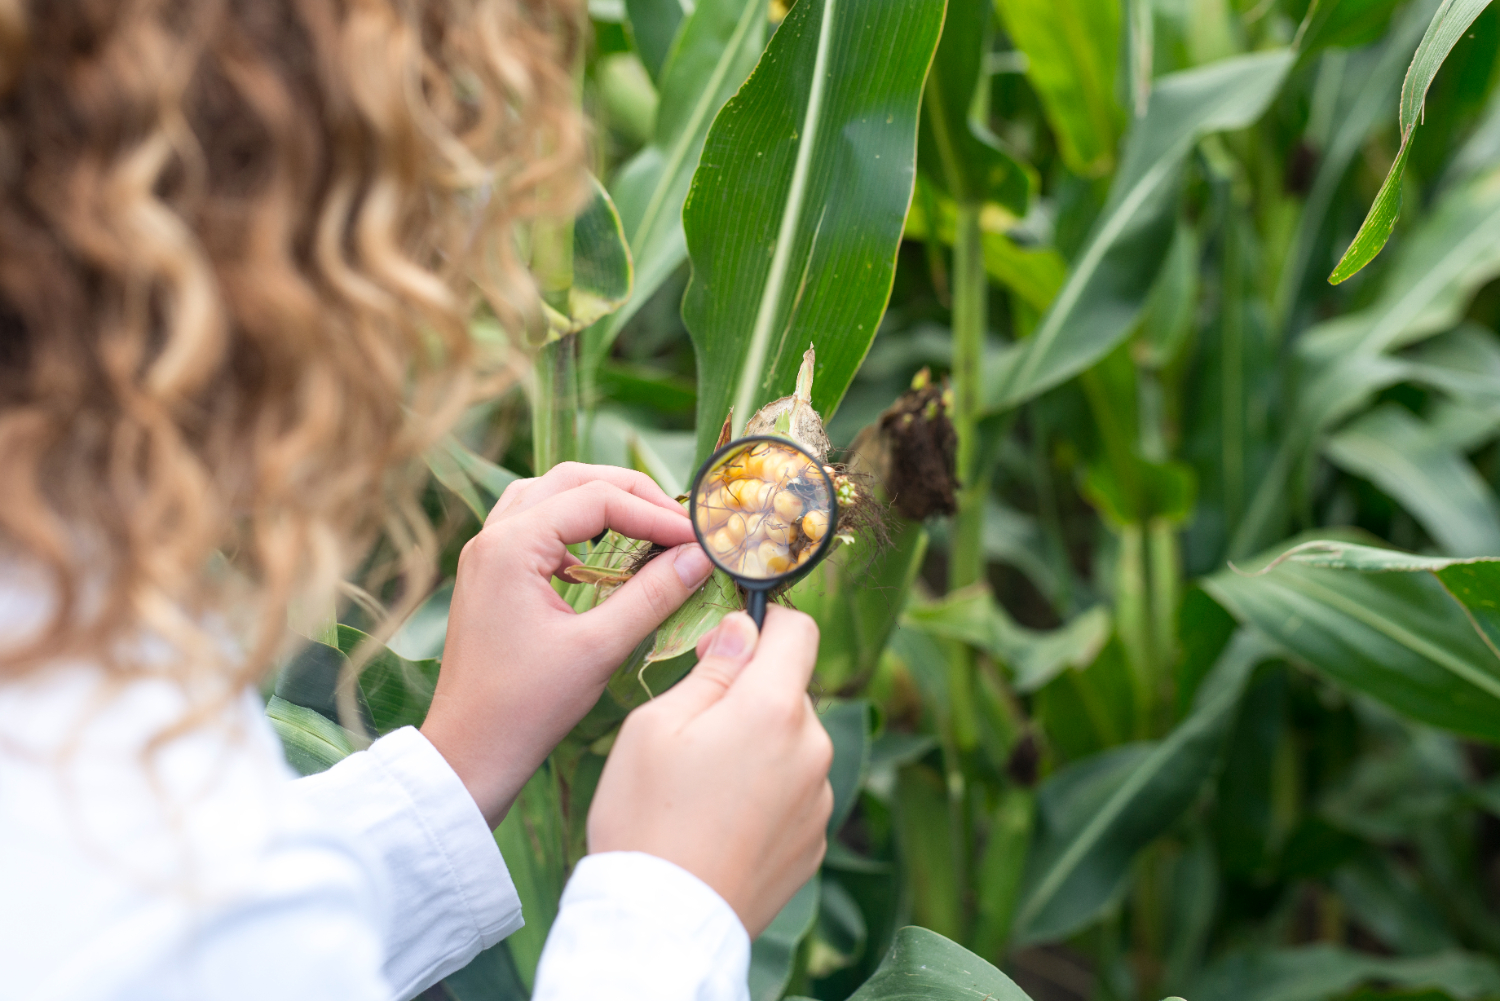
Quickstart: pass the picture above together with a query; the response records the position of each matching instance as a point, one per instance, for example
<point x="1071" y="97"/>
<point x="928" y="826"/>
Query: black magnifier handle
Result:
<point x="755" y="604"/>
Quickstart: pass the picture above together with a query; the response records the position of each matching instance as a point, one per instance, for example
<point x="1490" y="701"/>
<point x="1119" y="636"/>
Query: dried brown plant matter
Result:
<point x="238" y="246"/>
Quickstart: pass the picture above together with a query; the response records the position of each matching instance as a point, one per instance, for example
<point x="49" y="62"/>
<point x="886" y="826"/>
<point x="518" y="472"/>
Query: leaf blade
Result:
<point x="796" y="210"/>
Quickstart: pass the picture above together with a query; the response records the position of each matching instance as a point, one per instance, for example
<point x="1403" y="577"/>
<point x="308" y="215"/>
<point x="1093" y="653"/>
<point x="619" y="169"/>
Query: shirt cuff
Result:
<point x="634" y="925"/>
<point x="451" y="894"/>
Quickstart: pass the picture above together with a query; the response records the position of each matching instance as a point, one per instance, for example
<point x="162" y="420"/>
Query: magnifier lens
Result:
<point x="763" y="509"/>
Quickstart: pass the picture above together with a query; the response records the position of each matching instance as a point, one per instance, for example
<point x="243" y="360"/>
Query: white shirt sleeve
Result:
<point x="212" y="876"/>
<point x="450" y="891"/>
<point x="633" y="927"/>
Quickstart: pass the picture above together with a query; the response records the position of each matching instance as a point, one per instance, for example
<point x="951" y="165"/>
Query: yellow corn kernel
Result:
<point x="752" y="566"/>
<point x="776" y="531"/>
<point x="788" y="506"/>
<point x="744" y="525"/>
<point x="713" y="511"/>
<point x="773" y="557"/>
<point x="723" y="543"/>
<point x="750" y="495"/>
<point x="815" y="524"/>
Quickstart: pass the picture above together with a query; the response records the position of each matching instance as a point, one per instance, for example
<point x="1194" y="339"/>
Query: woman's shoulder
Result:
<point x="133" y="816"/>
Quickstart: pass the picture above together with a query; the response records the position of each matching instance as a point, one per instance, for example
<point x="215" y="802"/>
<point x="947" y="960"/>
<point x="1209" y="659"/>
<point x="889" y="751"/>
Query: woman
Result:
<point x="237" y="239"/>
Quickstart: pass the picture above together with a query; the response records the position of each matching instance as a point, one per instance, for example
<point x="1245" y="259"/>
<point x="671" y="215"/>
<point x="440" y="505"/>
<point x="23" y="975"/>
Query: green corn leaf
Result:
<point x="603" y="273"/>
<point x="1033" y="273"/>
<point x="422" y="635"/>
<point x="841" y="933"/>
<point x="311" y="741"/>
<point x="1349" y="23"/>
<point x="472" y="478"/>
<point x="653" y="27"/>
<point x="1095" y="815"/>
<point x="393" y="691"/>
<point x="490" y="976"/>
<point x="1072" y="52"/>
<point x="1346" y="360"/>
<point x="774" y="952"/>
<point x="1370" y="81"/>
<point x="1447" y="27"/>
<point x="1394" y="450"/>
<point x="713" y="51"/>
<point x="397" y="691"/>
<point x="532" y="842"/>
<point x="1314" y="972"/>
<point x="924" y="966"/>
<point x="957" y="149"/>
<point x="1395" y="910"/>
<point x="1417" y="633"/>
<point x="856" y="598"/>
<point x="796" y="210"/>
<point x="927" y="832"/>
<point x="972" y="616"/>
<point x="1109" y="283"/>
<point x="1376" y="229"/>
<point x="1001" y="869"/>
<point x="701" y="612"/>
<point x="849" y="725"/>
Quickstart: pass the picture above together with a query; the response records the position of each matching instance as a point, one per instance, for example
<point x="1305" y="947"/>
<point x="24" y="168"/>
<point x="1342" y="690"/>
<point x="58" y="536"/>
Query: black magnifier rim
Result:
<point x="766" y="583"/>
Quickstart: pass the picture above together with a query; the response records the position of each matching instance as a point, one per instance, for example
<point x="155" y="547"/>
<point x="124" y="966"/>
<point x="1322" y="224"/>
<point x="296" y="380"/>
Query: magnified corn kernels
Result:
<point x="755" y="462"/>
<point x="788" y="506"/>
<point x="745" y="524"/>
<point x="815" y="524"/>
<point x="774" y="557"/>
<point x="752" y="566"/>
<point x="778" y="532"/>
<point x="735" y="529"/>
<point x="723" y="543"/>
<point x="750" y="495"/>
<point x="714" y="511"/>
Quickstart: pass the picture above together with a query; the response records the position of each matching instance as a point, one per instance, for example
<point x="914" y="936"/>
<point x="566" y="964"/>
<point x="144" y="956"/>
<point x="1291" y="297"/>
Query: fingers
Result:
<point x="786" y="656"/>
<point x="657" y="590"/>
<point x="722" y="655"/>
<point x="565" y="476"/>
<point x="585" y="511"/>
<point x="509" y="499"/>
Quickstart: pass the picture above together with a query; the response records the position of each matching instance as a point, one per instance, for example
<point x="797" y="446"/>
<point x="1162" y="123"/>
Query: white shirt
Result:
<point x="215" y="875"/>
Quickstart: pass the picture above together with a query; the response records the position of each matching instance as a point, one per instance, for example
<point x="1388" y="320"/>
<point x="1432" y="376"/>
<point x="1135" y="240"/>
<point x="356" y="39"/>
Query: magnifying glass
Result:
<point x="765" y="511"/>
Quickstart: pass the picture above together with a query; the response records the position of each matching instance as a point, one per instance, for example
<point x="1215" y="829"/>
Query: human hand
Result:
<point x="726" y="774"/>
<point x="520" y="667"/>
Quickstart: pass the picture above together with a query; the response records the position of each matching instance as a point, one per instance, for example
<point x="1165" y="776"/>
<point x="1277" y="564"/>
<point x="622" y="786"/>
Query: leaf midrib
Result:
<point x="1402" y="637"/>
<point x="765" y="316"/>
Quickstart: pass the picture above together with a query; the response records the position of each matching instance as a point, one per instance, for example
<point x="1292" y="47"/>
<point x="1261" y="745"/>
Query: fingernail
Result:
<point x="691" y="564"/>
<point x="731" y="638"/>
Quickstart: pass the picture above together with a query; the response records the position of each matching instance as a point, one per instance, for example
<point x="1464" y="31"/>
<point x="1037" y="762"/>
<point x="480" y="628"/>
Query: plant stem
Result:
<point x="966" y="544"/>
<point x="554" y="405"/>
<point x="1133" y="620"/>
<point x="970" y="291"/>
<point x="1164" y="566"/>
<point x="1232" y="386"/>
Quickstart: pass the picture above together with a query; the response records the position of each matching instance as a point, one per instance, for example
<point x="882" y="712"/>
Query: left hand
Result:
<point x="520" y="667"/>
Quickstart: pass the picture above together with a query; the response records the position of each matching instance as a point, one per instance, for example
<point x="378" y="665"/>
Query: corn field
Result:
<point x="1163" y="332"/>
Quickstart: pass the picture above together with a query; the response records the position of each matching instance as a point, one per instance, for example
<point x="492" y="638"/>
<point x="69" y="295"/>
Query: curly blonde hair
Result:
<point x="239" y="243"/>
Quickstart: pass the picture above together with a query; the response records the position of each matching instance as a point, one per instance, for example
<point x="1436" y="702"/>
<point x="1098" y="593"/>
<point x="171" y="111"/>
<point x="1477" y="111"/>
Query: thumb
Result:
<point x="721" y="659"/>
<point x="642" y="603"/>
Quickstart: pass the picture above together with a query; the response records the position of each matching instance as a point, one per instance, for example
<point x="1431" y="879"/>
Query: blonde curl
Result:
<point x="239" y="246"/>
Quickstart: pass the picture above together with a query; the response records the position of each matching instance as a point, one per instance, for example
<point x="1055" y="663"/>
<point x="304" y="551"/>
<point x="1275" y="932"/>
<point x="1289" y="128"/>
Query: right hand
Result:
<point x="726" y="774"/>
